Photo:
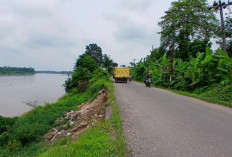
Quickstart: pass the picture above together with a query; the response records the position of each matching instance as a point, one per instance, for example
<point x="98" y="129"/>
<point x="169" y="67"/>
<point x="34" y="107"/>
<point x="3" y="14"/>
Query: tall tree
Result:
<point x="185" y="22"/>
<point x="108" y="63"/>
<point x="83" y="71"/>
<point x="94" y="51"/>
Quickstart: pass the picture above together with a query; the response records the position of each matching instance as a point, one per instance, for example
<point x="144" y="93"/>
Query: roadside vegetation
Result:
<point x="184" y="62"/>
<point x="208" y="76"/>
<point x="24" y="135"/>
<point x="104" y="140"/>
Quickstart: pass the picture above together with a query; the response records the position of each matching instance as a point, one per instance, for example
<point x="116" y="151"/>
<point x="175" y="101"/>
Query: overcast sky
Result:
<point x="51" y="34"/>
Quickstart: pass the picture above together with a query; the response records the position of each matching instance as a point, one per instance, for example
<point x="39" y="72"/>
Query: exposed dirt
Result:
<point x="80" y="121"/>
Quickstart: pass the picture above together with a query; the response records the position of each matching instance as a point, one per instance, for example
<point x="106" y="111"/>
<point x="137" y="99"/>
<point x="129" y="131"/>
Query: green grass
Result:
<point x="104" y="140"/>
<point x="218" y="94"/>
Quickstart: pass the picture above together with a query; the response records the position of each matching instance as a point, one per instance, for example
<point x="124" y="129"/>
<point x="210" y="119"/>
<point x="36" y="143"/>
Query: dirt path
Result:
<point x="161" y="123"/>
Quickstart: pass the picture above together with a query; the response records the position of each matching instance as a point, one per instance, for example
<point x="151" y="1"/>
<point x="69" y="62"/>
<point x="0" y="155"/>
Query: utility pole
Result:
<point x="171" y="58"/>
<point x="221" y="5"/>
<point x="222" y="27"/>
<point x="171" y="49"/>
<point x="134" y="60"/>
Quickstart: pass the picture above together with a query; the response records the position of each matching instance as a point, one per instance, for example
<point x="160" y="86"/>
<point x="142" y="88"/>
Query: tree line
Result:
<point x="16" y="70"/>
<point x="184" y="59"/>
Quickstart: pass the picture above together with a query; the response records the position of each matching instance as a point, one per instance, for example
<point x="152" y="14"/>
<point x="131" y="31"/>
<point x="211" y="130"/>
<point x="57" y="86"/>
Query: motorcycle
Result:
<point x="148" y="82"/>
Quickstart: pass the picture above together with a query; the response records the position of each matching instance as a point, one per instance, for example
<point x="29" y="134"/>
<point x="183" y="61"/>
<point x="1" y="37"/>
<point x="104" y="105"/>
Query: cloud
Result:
<point x="135" y="6"/>
<point x="52" y="34"/>
<point x="134" y="34"/>
<point x="44" y="40"/>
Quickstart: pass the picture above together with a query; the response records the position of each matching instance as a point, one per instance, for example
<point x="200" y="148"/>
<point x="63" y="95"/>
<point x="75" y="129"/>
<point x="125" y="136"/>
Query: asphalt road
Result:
<point x="159" y="123"/>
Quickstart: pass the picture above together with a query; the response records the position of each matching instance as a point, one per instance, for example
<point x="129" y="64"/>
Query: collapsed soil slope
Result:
<point x="80" y="121"/>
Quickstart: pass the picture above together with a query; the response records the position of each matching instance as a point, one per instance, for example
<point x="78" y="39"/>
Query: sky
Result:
<point x="51" y="34"/>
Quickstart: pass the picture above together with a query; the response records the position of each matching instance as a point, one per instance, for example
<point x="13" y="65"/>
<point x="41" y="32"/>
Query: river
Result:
<point x="18" y="91"/>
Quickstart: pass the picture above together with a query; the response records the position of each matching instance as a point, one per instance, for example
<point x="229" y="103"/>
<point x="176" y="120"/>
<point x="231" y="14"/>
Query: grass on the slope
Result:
<point x="104" y="140"/>
<point x="219" y="94"/>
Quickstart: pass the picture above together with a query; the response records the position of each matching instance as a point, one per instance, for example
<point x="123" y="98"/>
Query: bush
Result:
<point x="6" y="123"/>
<point x="85" y="66"/>
<point x="217" y="93"/>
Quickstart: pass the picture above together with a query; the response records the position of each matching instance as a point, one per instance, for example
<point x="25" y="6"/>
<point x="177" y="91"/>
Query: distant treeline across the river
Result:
<point x="6" y="70"/>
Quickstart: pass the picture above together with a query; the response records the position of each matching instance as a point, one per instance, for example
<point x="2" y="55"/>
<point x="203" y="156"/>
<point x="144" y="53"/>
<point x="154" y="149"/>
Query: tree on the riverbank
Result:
<point x="94" y="51"/>
<point x="86" y="66"/>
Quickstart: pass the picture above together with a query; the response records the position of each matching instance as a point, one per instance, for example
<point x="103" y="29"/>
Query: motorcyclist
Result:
<point x="147" y="77"/>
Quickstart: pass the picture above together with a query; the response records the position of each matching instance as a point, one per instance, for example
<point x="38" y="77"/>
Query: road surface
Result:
<point x="159" y="123"/>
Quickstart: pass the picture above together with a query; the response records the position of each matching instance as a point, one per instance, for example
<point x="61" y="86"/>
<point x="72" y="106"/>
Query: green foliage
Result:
<point x="138" y="71"/>
<point x="100" y="74"/>
<point x="96" y="87"/>
<point x="95" y="52"/>
<point x="86" y="61"/>
<point x="157" y="53"/>
<point x="203" y="70"/>
<point x="93" y="143"/>
<point x="98" y="141"/>
<point x="108" y="64"/>
<point x="6" y="124"/>
<point x="16" y="70"/>
<point x="217" y="93"/>
<point x="86" y="65"/>
<point x="187" y="27"/>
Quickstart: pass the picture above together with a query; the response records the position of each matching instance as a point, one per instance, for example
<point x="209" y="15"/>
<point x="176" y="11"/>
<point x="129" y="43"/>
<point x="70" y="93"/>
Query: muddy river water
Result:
<point x="16" y="92"/>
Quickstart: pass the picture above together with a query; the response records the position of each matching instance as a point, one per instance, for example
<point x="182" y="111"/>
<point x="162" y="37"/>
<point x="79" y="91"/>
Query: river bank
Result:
<point x="24" y="136"/>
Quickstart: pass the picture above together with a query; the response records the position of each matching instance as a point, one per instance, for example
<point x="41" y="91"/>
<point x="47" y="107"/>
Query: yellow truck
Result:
<point x="121" y="74"/>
